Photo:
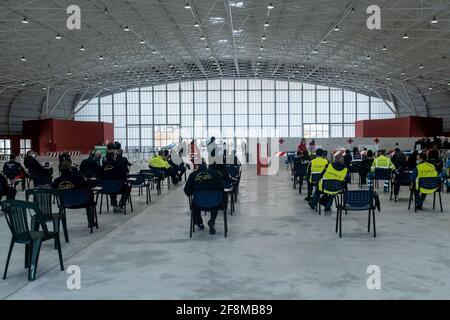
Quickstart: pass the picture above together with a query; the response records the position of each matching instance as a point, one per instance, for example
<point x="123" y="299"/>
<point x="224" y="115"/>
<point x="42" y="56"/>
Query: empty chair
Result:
<point x="357" y="200"/>
<point x="16" y="214"/>
<point x="44" y="197"/>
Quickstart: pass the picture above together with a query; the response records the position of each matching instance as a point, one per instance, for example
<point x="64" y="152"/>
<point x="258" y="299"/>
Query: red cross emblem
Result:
<point x="376" y="140"/>
<point x="281" y="141"/>
<point x="350" y="141"/>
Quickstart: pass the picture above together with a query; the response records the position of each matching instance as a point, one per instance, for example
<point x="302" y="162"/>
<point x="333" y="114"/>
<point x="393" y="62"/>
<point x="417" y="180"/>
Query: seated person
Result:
<point x="422" y="170"/>
<point x="335" y="171"/>
<point x="348" y="158"/>
<point x="89" y="167"/>
<point x="401" y="178"/>
<point x="382" y="162"/>
<point x="123" y="161"/>
<point x="316" y="166"/>
<point x="222" y="171"/>
<point x="204" y="179"/>
<point x="70" y="179"/>
<point x="111" y="170"/>
<point x="14" y="170"/>
<point x="158" y="162"/>
<point x="399" y="159"/>
<point x="178" y="169"/>
<point x="356" y="157"/>
<point x="5" y="189"/>
<point x="366" y="165"/>
<point x="301" y="161"/>
<point x="38" y="173"/>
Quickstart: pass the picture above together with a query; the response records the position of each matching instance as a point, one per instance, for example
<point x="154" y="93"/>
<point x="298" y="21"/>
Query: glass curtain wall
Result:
<point x="152" y="117"/>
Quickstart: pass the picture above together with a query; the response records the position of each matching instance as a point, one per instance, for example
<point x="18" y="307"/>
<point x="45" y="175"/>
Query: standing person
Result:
<point x="111" y="170"/>
<point x="356" y="157"/>
<point x="301" y="147"/>
<point x="194" y="153"/>
<point x="347" y="160"/>
<point x="212" y="150"/>
<point x="312" y="146"/>
<point x="423" y="170"/>
<point x="14" y="170"/>
<point x="204" y="179"/>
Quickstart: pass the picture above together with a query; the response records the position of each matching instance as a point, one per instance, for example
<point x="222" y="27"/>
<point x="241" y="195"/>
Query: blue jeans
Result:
<point x="328" y="199"/>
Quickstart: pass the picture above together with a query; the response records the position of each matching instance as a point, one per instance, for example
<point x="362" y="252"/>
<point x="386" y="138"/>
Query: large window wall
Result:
<point x="156" y="116"/>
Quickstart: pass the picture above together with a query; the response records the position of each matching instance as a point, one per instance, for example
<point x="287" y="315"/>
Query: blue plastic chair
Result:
<point x="298" y="175"/>
<point x="208" y="201"/>
<point x="109" y="187"/>
<point x="79" y="199"/>
<point x="428" y="183"/>
<point x="401" y="178"/>
<point x="383" y="174"/>
<point x="357" y="200"/>
<point x="331" y="186"/>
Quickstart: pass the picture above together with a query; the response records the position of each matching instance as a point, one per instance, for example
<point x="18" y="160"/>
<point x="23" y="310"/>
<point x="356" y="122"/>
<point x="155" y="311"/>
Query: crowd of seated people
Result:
<point x="403" y="168"/>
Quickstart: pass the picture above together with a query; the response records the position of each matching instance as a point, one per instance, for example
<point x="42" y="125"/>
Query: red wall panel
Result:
<point x="400" y="127"/>
<point x="58" y="135"/>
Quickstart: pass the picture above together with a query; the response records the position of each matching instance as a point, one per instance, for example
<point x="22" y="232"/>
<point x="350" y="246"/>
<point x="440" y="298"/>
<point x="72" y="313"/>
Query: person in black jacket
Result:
<point x="6" y="190"/>
<point x="123" y="161"/>
<point x="111" y="170"/>
<point x="14" y="170"/>
<point x="204" y="179"/>
<point x="89" y="167"/>
<point x="71" y="179"/>
<point x="38" y="173"/>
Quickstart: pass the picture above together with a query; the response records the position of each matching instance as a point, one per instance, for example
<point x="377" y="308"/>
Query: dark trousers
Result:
<point x="419" y="198"/>
<point x="198" y="216"/>
<point x="123" y="199"/>
<point x="310" y="188"/>
<point x="9" y="192"/>
<point x="326" y="199"/>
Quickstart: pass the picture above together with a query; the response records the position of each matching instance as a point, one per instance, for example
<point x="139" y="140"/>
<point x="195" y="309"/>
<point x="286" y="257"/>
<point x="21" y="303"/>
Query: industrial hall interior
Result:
<point x="224" y="150"/>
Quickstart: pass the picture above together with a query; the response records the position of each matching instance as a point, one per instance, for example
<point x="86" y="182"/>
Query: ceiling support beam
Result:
<point x="230" y="24"/>
<point x="409" y="98"/>
<point x="44" y="109"/>
<point x="84" y="105"/>
<point x="395" y="111"/>
<point x="57" y="103"/>
<point x="10" y="109"/>
<point x="403" y="102"/>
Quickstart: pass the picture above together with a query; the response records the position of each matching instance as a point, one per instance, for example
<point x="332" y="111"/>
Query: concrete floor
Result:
<point x="277" y="248"/>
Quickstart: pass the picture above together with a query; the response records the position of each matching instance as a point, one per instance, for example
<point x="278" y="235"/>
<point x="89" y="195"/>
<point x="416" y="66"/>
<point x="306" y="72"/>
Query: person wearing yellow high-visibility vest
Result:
<point x="335" y="171"/>
<point x="381" y="161"/>
<point x="316" y="166"/>
<point x="422" y="170"/>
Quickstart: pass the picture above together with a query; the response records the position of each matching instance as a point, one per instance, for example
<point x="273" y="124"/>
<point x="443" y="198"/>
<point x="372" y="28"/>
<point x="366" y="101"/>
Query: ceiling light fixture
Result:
<point x="263" y="37"/>
<point x="421" y="66"/>
<point x="434" y="20"/>
<point x="142" y="41"/>
<point x="324" y="41"/>
<point x="196" y="24"/>
<point x="187" y="5"/>
<point x="116" y="65"/>
<point x="270" y="6"/>
<point x="384" y="48"/>
<point x="85" y="77"/>
<point x="23" y="59"/>
<point x="202" y="37"/>
<point x="100" y="58"/>
<point x="405" y="36"/>
<point x="368" y="57"/>
<point x="266" y="24"/>
<point x="336" y="28"/>
<point x="106" y="10"/>
<point x="58" y="37"/>
<point x="24" y="84"/>
<point x="403" y="73"/>
<point x="25" y="20"/>
<point x="82" y="48"/>
<point x="69" y="73"/>
<point x="127" y="28"/>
